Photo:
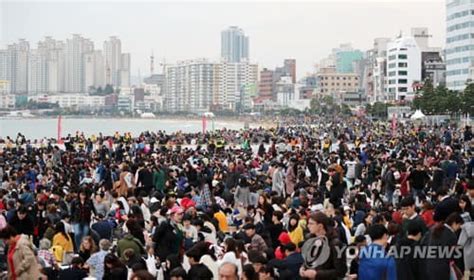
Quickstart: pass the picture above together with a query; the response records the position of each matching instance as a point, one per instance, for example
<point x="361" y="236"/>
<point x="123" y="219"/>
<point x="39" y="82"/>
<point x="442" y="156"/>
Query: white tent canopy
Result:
<point x="417" y="115"/>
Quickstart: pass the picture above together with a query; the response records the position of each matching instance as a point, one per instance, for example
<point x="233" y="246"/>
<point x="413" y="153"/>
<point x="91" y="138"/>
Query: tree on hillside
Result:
<point x="467" y="100"/>
<point x="108" y="89"/>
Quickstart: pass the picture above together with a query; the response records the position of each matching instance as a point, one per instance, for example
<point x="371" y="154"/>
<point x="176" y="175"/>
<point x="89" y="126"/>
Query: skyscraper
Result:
<point x="234" y="45"/>
<point x="124" y="71"/>
<point x="233" y="79"/>
<point x="55" y="64"/>
<point x="113" y="60"/>
<point x="191" y="86"/>
<point x="37" y="72"/>
<point x="94" y="70"/>
<point x="74" y="62"/>
<point x="459" y="43"/>
<point x="14" y="66"/>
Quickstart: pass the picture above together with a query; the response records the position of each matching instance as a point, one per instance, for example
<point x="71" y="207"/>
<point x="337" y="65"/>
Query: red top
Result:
<point x="11" y="251"/>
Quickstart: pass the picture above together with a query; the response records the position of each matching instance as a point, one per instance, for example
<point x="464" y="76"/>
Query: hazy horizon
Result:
<point x="306" y="31"/>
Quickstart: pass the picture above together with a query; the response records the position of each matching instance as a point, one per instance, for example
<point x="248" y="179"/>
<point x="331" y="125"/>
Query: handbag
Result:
<point x="454" y="272"/>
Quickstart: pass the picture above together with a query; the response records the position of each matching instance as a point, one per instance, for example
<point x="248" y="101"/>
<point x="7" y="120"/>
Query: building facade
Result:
<point x="94" y="74"/>
<point x="234" y="45"/>
<point x="191" y="86"/>
<point x="233" y="81"/>
<point x="113" y="60"/>
<point x="331" y="82"/>
<point x="403" y="68"/>
<point x="74" y="62"/>
<point x="345" y="59"/>
<point x="459" y="42"/>
<point x="266" y="84"/>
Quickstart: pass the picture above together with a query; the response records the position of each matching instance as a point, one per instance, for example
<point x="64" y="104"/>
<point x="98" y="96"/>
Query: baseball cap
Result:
<point x="175" y="209"/>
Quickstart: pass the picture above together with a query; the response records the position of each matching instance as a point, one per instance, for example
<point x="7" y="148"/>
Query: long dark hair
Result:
<point x="450" y="220"/>
<point x="468" y="207"/>
<point x="60" y="228"/>
<point x="231" y="244"/>
<point x="293" y="217"/>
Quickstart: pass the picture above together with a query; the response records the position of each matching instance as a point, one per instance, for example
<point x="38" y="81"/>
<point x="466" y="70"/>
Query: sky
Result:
<point x="178" y="30"/>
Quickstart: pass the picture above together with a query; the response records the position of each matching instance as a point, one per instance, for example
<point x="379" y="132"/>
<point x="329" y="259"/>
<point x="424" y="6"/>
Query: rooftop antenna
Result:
<point x="163" y="63"/>
<point x="152" y="63"/>
<point x="139" y="78"/>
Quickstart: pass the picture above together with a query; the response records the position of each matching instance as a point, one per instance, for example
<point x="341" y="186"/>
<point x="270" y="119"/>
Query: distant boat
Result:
<point x="147" y="116"/>
<point x="208" y="115"/>
<point x="20" y="114"/>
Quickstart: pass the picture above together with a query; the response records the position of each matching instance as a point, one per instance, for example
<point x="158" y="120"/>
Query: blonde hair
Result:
<point x="91" y="241"/>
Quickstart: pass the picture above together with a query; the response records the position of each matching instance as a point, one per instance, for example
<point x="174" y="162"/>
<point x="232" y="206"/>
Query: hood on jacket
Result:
<point x="469" y="229"/>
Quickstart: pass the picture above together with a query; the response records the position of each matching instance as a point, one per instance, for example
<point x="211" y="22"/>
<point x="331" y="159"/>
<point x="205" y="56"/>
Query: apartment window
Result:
<point x="402" y="89"/>
<point x="402" y="81"/>
<point x="402" y="56"/>
<point x="337" y="84"/>
<point x="349" y="84"/>
<point x="332" y="84"/>
<point x="393" y="73"/>
<point x="402" y="64"/>
<point x="344" y="78"/>
<point x="392" y="57"/>
<point x="356" y="78"/>
<point x="337" y="78"/>
<point x="344" y="84"/>
<point x="392" y="65"/>
<point x="401" y="73"/>
<point x="392" y="81"/>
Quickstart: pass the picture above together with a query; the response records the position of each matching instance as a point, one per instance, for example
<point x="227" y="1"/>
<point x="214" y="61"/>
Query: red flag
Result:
<point x="60" y="140"/>
<point x="203" y="124"/>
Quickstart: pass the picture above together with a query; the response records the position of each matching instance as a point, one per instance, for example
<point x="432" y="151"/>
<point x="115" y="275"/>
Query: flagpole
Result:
<point x="203" y="124"/>
<point x="59" y="140"/>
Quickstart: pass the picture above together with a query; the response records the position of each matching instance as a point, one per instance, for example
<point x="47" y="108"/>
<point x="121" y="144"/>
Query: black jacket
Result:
<point x="335" y="267"/>
<point x="409" y="267"/>
<point x="24" y="226"/>
<point x="168" y="240"/>
<point x="293" y="262"/>
<point x="86" y="209"/>
<point x="438" y="268"/>
<point x="72" y="274"/>
<point x="444" y="208"/>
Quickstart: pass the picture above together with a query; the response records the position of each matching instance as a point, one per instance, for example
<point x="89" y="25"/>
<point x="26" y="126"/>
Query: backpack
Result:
<point x="58" y="253"/>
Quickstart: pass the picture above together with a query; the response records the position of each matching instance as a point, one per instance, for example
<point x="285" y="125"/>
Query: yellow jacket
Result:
<point x="60" y="240"/>
<point x="296" y="235"/>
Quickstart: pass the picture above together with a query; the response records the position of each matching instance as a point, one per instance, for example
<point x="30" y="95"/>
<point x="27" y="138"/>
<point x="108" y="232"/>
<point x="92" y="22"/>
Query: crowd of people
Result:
<point x="313" y="198"/>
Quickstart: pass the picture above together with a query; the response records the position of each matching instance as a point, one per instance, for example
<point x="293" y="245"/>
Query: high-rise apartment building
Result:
<point x="113" y="60"/>
<point x="124" y="78"/>
<point x="94" y="70"/>
<point x="14" y="66"/>
<point x="234" y="45"/>
<point x="37" y="72"/>
<point x="74" y="62"/>
<point x="233" y="80"/>
<point x="191" y="86"/>
<point x="459" y="42"/>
